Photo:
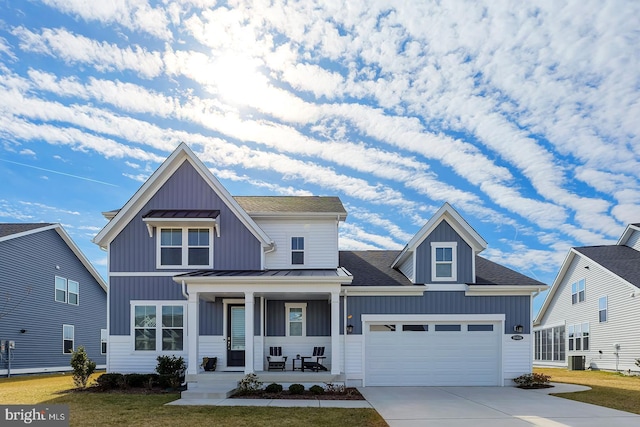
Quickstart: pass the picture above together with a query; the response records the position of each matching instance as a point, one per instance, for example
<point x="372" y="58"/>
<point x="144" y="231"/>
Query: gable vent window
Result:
<point x="443" y="261"/>
<point x="297" y="250"/>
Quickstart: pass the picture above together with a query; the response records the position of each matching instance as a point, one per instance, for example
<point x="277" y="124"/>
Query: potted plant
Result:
<point x="209" y="363"/>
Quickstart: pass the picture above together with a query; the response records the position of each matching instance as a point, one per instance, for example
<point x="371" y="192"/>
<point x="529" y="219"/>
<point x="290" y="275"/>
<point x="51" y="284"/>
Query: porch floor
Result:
<point x="220" y="385"/>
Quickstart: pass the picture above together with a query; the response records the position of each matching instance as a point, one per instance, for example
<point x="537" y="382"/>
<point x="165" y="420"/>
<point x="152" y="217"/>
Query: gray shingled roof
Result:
<point x="620" y="260"/>
<point x="373" y="268"/>
<point x="262" y="204"/>
<point x="7" y="229"/>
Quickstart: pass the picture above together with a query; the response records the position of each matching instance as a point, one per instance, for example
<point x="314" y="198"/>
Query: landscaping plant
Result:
<point x="533" y="380"/>
<point x="82" y="366"/>
<point x="171" y="369"/>
<point x="249" y="384"/>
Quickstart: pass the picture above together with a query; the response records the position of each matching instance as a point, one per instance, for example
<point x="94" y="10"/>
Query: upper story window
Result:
<point x="67" y="291"/>
<point x="577" y="291"/>
<point x="185" y="247"/>
<point x="443" y="261"/>
<point x="297" y="250"/>
<point x="296" y="319"/>
<point x="602" y="309"/>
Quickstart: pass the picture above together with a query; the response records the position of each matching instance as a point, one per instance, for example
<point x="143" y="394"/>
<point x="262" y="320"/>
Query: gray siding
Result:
<point x="31" y="261"/>
<point x="318" y="320"/>
<point x="444" y="233"/>
<point x="236" y="248"/>
<point x="516" y="308"/>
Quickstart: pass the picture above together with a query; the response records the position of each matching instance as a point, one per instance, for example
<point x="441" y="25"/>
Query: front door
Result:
<point x="235" y="335"/>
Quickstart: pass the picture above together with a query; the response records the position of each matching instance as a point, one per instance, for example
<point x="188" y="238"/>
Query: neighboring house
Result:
<point x="195" y="272"/>
<point x="52" y="300"/>
<point x="591" y="316"/>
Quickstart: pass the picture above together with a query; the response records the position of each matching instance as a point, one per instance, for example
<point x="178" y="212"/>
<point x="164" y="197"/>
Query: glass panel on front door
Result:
<point x="237" y="328"/>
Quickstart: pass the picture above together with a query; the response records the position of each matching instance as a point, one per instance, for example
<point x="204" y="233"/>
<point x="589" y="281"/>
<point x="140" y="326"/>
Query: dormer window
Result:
<point x="297" y="250"/>
<point x="443" y="261"/>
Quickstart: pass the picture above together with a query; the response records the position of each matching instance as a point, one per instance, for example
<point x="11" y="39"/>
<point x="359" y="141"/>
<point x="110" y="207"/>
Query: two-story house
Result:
<point x="195" y="272"/>
<point x="52" y="300"/>
<point x="590" y="318"/>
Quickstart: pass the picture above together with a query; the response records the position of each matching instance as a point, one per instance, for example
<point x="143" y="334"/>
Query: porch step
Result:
<point x="211" y="388"/>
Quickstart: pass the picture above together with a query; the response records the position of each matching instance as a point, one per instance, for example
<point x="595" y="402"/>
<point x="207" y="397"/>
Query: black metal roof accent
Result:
<point x="182" y="213"/>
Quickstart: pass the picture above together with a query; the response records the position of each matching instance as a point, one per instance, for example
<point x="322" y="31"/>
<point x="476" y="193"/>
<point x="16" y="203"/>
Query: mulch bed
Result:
<point x="350" y="393"/>
<point x="535" y="386"/>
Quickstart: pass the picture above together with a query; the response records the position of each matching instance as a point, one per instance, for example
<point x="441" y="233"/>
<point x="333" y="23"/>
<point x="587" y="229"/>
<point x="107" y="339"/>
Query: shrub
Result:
<point x="249" y="384"/>
<point x="139" y="380"/>
<point x="534" y="380"/>
<point x="82" y="366"/>
<point x="334" y="388"/>
<point x="296" y="389"/>
<point x="173" y="368"/>
<point x="273" y="388"/>
<point x="316" y="389"/>
<point x="110" y="381"/>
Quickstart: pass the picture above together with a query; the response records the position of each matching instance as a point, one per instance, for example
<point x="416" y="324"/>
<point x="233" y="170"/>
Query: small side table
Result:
<point x="300" y="366"/>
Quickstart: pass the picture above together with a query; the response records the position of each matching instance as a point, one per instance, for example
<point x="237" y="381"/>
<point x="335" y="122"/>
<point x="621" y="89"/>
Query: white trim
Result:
<point x="287" y="307"/>
<point x="184" y="249"/>
<point x="626" y="234"/>
<point x="496" y="290"/>
<point x="552" y="325"/>
<point x="454" y="261"/>
<point x="494" y="317"/>
<point x="302" y="236"/>
<point x="158" y="304"/>
<point x="105" y="340"/>
<point x="73" y="338"/>
<point x="606" y="309"/>
<point x="414" y="290"/>
<point x="49" y="369"/>
<point x="234" y="281"/>
<point x="77" y="294"/>
<point x="447" y="287"/>
<point x="225" y="327"/>
<point x="55" y="290"/>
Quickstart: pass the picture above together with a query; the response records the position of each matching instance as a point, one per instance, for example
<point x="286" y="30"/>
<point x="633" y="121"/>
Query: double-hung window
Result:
<point x="185" y="247"/>
<point x="67" y="339"/>
<point x="602" y="309"/>
<point x="579" y="337"/>
<point x="297" y="250"/>
<point x="578" y="291"/>
<point x="443" y="261"/>
<point x="296" y="319"/>
<point x="103" y="341"/>
<point x="67" y="291"/>
<point x="150" y="335"/>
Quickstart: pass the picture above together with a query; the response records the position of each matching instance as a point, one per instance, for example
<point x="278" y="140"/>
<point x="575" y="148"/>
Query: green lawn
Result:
<point x="609" y="389"/>
<point x="105" y="409"/>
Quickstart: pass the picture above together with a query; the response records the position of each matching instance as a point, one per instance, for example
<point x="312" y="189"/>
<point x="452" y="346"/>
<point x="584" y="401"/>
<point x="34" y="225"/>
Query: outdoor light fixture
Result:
<point x="518" y="329"/>
<point x="23" y="331"/>
<point x="349" y="329"/>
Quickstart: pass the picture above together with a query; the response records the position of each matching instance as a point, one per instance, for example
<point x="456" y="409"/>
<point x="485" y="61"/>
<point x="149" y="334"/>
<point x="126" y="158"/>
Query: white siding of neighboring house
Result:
<point x="622" y="326"/>
<point x="407" y="267"/>
<point x="320" y="242"/>
<point x="634" y="241"/>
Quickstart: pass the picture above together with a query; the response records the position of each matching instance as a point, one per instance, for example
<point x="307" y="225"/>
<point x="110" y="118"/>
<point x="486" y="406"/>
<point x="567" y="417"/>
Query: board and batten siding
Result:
<point x="32" y="262"/>
<point x="517" y="309"/>
<point x="320" y="242"/>
<point x="318" y="318"/>
<point x="444" y="233"/>
<point x="236" y="248"/>
<point x="622" y="325"/>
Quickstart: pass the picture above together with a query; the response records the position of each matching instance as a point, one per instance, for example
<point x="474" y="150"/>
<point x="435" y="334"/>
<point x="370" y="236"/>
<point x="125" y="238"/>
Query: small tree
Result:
<point x="82" y="366"/>
<point x="172" y="368"/>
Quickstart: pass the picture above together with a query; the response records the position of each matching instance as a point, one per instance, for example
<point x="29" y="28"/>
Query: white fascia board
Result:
<point x="551" y="325"/>
<point x="626" y="234"/>
<point x="554" y="286"/>
<point x="83" y="259"/>
<point x="486" y="290"/>
<point x="262" y="280"/>
<point x="263" y="288"/>
<point x="417" y="290"/>
<point x="181" y="154"/>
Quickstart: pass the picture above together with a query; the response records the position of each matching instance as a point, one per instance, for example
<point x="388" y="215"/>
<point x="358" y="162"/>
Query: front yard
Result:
<point x="609" y="389"/>
<point x="104" y="409"/>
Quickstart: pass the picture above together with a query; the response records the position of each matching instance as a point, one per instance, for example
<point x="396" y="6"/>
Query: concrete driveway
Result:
<point x="490" y="407"/>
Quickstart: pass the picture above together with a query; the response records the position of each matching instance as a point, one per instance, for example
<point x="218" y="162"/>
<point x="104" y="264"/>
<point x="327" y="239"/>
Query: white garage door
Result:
<point x="431" y="353"/>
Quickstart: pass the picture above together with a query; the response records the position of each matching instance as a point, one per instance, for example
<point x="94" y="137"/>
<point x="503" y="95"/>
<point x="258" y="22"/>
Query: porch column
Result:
<point x="192" y="333"/>
<point x="335" y="332"/>
<point x="248" y="332"/>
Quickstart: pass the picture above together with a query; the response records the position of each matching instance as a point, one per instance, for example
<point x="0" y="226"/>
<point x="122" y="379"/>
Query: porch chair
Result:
<point x="315" y="365"/>
<point x="275" y="359"/>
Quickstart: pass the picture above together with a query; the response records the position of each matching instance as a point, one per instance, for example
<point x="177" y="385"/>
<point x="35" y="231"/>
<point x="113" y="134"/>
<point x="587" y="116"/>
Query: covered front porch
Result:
<point x="237" y="317"/>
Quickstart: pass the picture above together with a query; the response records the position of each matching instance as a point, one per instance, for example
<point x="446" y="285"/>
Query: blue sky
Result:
<point x="523" y="116"/>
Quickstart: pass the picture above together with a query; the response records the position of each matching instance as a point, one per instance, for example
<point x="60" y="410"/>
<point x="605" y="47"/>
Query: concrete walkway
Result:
<point x="490" y="407"/>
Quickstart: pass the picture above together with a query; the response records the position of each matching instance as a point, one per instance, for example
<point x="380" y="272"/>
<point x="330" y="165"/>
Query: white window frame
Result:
<point x="158" y="327"/>
<point x="580" y="331"/>
<point x="454" y="261"/>
<point x="55" y="292"/>
<point x="577" y="292"/>
<point x="605" y="309"/>
<point x="304" y="245"/>
<point x="69" y="293"/>
<point x="184" y="247"/>
<point x="558" y="347"/>
<point x="64" y="338"/>
<point x="287" y="307"/>
<point x="103" y="341"/>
